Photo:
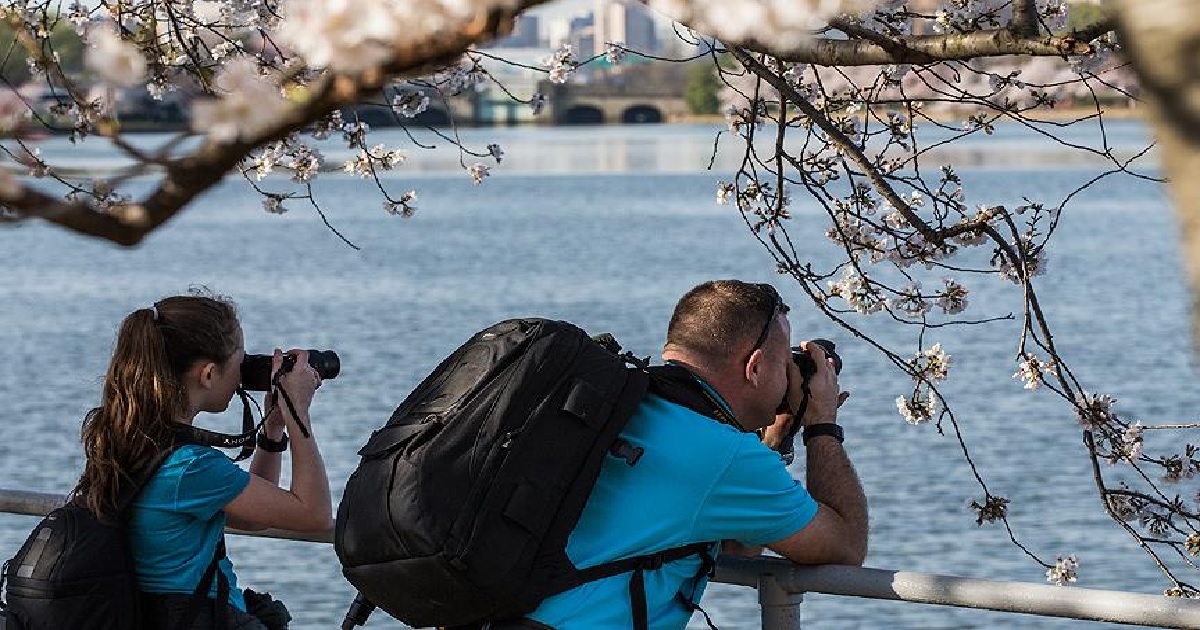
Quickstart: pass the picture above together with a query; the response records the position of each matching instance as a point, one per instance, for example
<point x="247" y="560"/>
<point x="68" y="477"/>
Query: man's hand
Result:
<point x="824" y="397"/>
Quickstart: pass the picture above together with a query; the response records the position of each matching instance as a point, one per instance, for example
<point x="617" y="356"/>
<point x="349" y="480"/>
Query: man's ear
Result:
<point x="753" y="368"/>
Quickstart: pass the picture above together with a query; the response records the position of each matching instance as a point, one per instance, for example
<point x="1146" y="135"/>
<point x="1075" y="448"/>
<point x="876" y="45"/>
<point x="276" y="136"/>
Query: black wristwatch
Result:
<point x="272" y="446"/>
<point x="828" y="428"/>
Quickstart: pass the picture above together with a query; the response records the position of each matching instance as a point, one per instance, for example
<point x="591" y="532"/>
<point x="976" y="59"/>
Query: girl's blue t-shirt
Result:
<point x="177" y="521"/>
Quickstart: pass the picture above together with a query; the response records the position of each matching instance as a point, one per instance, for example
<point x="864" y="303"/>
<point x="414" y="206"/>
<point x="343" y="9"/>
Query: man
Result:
<point x="705" y="474"/>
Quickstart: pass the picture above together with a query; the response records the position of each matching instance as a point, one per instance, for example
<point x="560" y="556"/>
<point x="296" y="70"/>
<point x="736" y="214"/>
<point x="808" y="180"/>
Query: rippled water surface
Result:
<point x="606" y="227"/>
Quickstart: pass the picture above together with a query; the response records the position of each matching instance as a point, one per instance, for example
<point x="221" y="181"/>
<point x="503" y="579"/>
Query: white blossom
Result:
<point x="496" y="152"/>
<point x="910" y="300"/>
<point x="250" y="102"/>
<point x="857" y="292"/>
<point x="561" y="63"/>
<point x="478" y="172"/>
<point x="1131" y="444"/>
<point x="377" y="157"/>
<point x="117" y="61"/>
<point x="953" y="297"/>
<point x="614" y="52"/>
<point x="352" y="35"/>
<point x="410" y="102"/>
<point x="919" y="410"/>
<point x="1095" y="410"/>
<point x="1063" y="571"/>
<point x="273" y="204"/>
<point x="1031" y="371"/>
<point x="404" y="206"/>
<point x="933" y="364"/>
<point x="1123" y="506"/>
<point x="774" y="22"/>
<point x="724" y="189"/>
<point x="1035" y="265"/>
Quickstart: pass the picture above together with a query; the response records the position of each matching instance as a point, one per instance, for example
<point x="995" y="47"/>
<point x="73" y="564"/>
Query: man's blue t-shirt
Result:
<point x="178" y="518"/>
<point x="698" y="480"/>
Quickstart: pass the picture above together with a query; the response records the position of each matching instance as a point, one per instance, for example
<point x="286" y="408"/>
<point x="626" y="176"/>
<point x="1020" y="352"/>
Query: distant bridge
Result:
<point x="613" y="102"/>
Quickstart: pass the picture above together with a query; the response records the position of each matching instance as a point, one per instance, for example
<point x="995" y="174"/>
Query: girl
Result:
<point x="173" y="360"/>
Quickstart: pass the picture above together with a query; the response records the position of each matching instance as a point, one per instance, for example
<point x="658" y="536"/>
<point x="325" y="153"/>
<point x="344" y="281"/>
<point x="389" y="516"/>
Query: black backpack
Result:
<point x="76" y="571"/>
<point x="460" y="509"/>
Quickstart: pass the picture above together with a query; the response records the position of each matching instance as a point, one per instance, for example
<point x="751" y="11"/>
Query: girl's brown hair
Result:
<point x="144" y="395"/>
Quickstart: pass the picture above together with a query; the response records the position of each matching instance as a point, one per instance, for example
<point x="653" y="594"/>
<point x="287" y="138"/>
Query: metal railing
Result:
<point x="781" y="585"/>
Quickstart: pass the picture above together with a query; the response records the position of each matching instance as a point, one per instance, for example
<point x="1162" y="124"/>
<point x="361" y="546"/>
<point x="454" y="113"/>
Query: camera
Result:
<point x="256" y="368"/>
<point x="807" y="366"/>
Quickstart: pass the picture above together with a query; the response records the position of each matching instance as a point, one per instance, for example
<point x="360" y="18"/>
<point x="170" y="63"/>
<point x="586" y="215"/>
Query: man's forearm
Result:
<point x="832" y="481"/>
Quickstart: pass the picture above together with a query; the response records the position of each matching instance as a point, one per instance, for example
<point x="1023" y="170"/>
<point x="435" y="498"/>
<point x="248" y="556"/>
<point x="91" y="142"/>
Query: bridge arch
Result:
<point x="642" y="114"/>
<point x="583" y="115"/>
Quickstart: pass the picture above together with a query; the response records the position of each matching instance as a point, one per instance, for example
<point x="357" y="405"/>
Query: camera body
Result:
<point x="807" y="366"/>
<point x="256" y="368"/>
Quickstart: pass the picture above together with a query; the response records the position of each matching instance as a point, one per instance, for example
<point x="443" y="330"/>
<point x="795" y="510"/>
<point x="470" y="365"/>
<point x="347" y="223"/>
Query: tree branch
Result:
<point x="927" y="49"/>
<point x="189" y="176"/>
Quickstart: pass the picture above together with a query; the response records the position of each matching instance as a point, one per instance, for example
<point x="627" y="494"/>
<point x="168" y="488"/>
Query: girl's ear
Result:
<point x="206" y="373"/>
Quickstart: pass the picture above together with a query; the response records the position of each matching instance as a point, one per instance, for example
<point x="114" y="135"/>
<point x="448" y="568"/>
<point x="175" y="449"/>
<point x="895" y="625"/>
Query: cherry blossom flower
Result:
<point x="250" y="103"/>
<point x="932" y="364"/>
<point x="404" y="206"/>
<point x="775" y="23"/>
<point x="857" y="292"/>
<point x="910" y="301"/>
<point x="1032" y="371"/>
<point x="478" y="171"/>
<point x="1095" y="411"/>
<point x="953" y="297"/>
<point x="115" y="60"/>
<point x="614" y="52"/>
<point x="410" y="102"/>
<point x="273" y="204"/>
<point x="918" y="410"/>
<point x="342" y="35"/>
<point x="561" y="63"/>
<point x="496" y="152"/>
<point x="1130" y="446"/>
<point x="724" y="190"/>
<point x="1063" y="571"/>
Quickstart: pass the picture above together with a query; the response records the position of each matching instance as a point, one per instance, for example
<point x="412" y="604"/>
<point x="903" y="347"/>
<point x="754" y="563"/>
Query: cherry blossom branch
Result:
<point x="188" y="176"/>
<point x="928" y="49"/>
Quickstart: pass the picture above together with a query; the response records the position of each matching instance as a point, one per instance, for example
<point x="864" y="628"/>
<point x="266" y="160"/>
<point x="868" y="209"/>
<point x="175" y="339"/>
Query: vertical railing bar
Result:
<point x="780" y="608"/>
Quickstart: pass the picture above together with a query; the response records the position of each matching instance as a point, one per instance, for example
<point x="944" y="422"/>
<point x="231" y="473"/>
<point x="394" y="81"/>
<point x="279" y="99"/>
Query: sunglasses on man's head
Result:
<point x="777" y="308"/>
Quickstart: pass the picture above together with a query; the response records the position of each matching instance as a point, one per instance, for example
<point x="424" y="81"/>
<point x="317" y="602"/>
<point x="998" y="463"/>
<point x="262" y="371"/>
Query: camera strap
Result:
<point x="277" y="387"/>
<point x="245" y="440"/>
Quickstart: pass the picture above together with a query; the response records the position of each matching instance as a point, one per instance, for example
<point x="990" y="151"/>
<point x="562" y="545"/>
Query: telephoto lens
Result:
<point x="256" y="368"/>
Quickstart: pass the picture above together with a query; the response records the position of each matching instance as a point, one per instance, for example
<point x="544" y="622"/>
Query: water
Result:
<point x="606" y="227"/>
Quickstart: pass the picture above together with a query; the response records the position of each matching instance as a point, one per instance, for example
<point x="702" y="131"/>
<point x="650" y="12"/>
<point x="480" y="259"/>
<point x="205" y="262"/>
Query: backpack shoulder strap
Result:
<point x="133" y="487"/>
<point x="200" y="595"/>
<point x="674" y="383"/>
<point x="638" y="565"/>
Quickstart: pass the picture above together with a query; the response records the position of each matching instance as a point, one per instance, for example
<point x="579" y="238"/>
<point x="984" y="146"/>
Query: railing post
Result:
<point x="780" y="609"/>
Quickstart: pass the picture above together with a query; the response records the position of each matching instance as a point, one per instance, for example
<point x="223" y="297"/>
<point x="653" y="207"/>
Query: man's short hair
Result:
<point x="717" y="319"/>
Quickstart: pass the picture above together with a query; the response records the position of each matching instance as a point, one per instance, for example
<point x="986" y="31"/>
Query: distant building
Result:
<point x="582" y="36"/>
<point x="526" y="34"/>
<point x="625" y="21"/>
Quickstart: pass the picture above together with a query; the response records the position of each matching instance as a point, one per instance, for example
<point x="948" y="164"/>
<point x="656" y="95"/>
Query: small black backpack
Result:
<point x="77" y="572"/>
<point x="460" y="509"/>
